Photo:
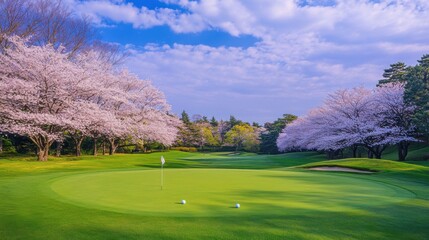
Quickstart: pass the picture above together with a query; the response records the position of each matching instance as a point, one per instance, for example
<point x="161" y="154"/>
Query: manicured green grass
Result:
<point x="379" y="165"/>
<point x="119" y="197"/>
<point x="11" y="165"/>
<point x="213" y="192"/>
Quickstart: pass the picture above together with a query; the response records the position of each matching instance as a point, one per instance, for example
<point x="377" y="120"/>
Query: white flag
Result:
<point x="162" y="160"/>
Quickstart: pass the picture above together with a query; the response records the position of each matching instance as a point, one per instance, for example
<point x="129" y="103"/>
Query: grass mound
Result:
<point x="415" y="177"/>
<point x="378" y="165"/>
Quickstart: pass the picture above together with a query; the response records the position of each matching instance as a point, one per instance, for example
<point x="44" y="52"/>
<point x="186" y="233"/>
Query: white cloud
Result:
<point x="352" y="20"/>
<point x="307" y="48"/>
<point x="237" y="78"/>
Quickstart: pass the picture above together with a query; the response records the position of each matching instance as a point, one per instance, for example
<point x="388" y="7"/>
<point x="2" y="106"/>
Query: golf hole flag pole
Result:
<point x="162" y="171"/>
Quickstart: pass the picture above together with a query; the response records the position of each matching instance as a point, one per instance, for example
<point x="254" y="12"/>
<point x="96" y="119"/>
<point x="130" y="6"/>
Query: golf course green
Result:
<point x="120" y="197"/>
<point x="211" y="192"/>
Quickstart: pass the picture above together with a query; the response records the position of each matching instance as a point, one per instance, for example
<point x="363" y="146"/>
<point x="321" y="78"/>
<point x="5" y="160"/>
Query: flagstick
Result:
<point x="162" y="175"/>
<point x="162" y="171"/>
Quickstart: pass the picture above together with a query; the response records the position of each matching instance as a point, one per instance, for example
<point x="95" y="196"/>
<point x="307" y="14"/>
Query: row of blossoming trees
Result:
<point x="47" y="95"/>
<point x="373" y="119"/>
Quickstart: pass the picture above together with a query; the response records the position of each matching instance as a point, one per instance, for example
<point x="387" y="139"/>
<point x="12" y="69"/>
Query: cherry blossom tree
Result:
<point x="397" y="115"/>
<point x="92" y="117"/>
<point x="143" y="111"/>
<point x="316" y="131"/>
<point x="358" y="119"/>
<point x="89" y="120"/>
<point x="45" y="94"/>
<point x="38" y="93"/>
<point x="354" y="117"/>
<point x="138" y="111"/>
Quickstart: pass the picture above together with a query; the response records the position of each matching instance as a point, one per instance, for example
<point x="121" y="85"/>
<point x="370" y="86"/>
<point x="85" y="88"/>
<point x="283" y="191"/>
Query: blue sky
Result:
<point x="258" y="59"/>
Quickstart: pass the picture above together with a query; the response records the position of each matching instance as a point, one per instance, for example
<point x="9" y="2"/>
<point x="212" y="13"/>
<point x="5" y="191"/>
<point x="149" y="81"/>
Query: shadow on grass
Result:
<point x="304" y="225"/>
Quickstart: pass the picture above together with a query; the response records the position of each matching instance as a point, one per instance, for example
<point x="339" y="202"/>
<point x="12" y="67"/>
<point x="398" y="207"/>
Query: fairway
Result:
<point x="214" y="192"/>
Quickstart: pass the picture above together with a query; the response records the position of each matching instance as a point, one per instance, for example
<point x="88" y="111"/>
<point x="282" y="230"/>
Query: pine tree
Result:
<point x="417" y="93"/>
<point x="185" y="118"/>
<point x="214" y="122"/>
<point x="395" y="74"/>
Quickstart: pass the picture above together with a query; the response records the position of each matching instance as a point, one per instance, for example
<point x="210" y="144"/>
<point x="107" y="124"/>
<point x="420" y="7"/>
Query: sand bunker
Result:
<point x="339" y="169"/>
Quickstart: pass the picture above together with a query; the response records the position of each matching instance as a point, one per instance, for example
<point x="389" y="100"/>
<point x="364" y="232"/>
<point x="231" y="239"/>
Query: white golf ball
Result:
<point x="183" y="201"/>
<point x="237" y="205"/>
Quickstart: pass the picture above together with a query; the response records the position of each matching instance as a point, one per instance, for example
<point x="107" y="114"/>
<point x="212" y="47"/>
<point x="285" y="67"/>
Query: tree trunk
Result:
<point x="95" y="147"/>
<point x="112" y="147"/>
<point x="330" y="154"/>
<point x="58" y="149"/>
<point x="377" y="151"/>
<point x="42" y="153"/>
<point x="402" y="150"/>
<point x="43" y="144"/>
<point x="405" y="150"/>
<point x="239" y="146"/>
<point x="104" y="147"/>
<point x="1" y="144"/>
<point x="143" y="145"/>
<point x="78" y="146"/>
<point x="354" y="149"/>
<point x="78" y="152"/>
<point x="334" y="154"/>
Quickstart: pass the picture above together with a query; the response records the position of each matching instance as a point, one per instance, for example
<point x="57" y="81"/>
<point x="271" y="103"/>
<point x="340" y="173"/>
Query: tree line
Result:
<point x="232" y="134"/>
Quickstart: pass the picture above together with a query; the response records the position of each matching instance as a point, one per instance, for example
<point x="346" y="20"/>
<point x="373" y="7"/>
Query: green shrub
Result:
<point x="7" y="145"/>
<point x="185" y="149"/>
